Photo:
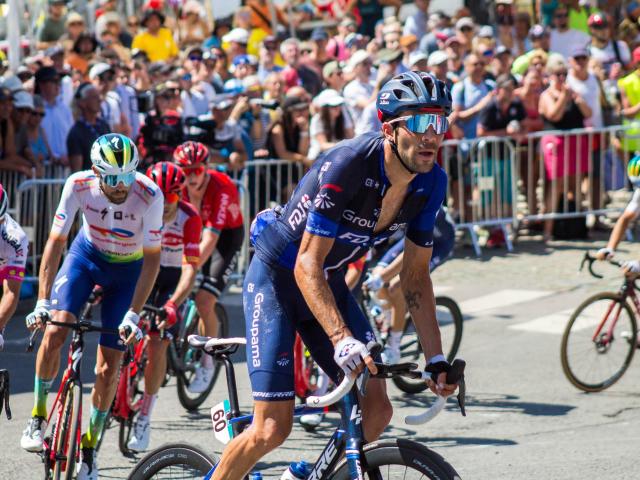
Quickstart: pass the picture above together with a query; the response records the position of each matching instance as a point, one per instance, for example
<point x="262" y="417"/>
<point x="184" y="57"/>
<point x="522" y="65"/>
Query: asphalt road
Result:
<point x="524" y="420"/>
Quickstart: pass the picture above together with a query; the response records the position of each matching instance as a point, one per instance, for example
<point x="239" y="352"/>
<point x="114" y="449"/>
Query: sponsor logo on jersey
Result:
<point x="371" y="183"/>
<point x="283" y="359"/>
<point x="323" y="201"/>
<point x="120" y="233"/>
<point x="85" y="180"/>
<point x="354" y="238"/>
<point x="396" y="226"/>
<point x="324" y="168"/>
<point x="146" y="188"/>
<point x="299" y="213"/>
<point x="61" y="216"/>
<point x="255" y="329"/>
<point x="222" y="212"/>
<point x="12" y="241"/>
<point x="351" y="216"/>
<point x="331" y="186"/>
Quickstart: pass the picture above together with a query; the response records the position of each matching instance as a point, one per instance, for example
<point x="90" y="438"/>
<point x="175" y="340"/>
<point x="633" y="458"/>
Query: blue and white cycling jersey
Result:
<point x="341" y="197"/>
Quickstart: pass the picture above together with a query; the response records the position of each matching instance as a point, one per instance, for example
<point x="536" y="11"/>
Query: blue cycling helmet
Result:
<point x="412" y="91"/>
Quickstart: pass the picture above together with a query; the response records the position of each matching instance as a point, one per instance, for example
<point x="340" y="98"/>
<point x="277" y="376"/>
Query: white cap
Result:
<point x="238" y="35"/>
<point x="357" y="58"/>
<point x="98" y="69"/>
<point x="436" y="58"/>
<point x="328" y="98"/>
<point x="11" y="82"/>
<point x="465" y="22"/>
<point x="415" y="57"/>
<point x="23" y="99"/>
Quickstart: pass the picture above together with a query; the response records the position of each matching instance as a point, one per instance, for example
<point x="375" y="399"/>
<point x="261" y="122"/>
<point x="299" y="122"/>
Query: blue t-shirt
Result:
<point x="466" y="94"/>
<point x="341" y="198"/>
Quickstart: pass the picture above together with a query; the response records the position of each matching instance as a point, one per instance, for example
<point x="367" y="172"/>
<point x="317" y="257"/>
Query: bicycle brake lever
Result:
<point x="462" y="391"/>
<point x="4" y="393"/>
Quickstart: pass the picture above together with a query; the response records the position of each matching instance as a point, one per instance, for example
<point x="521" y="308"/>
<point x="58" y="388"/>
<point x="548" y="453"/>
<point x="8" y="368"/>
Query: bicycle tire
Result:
<point x="67" y="434"/>
<point x="163" y="459"/>
<point x="450" y="317"/>
<point x="188" y="400"/>
<point x="134" y="400"/>
<point x="570" y="368"/>
<point x="399" y="453"/>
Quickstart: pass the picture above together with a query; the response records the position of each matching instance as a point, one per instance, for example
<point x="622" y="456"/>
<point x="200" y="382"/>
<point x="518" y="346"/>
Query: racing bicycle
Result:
<point x="600" y="339"/>
<point x="61" y="447"/>
<point x="385" y="459"/>
<point x="449" y="318"/>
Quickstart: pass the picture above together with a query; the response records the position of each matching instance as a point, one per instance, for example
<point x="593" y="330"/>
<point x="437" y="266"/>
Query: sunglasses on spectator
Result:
<point x="466" y="29"/>
<point x="132" y="24"/>
<point x="560" y="74"/>
<point x="195" y="58"/>
<point x="76" y="24"/>
<point x="193" y="170"/>
<point x="561" y="15"/>
<point x="35" y="113"/>
<point x="421" y="122"/>
<point x="23" y="110"/>
<point x="581" y="58"/>
<point x="186" y="77"/>
<point x="107" y="77"/>
<point x="113" y="180"/>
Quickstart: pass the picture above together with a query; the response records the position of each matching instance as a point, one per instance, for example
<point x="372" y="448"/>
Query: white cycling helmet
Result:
<point x="114" y="154"/>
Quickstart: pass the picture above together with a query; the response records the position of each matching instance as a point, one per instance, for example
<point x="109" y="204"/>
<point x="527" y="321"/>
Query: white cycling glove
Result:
<point x="374" y="283"/>
<point x="42" y="310"/>
<point x="130" y="320"/>
<point x="349" y="353"/>
<point x="631" y="266"/>
<point x="606" y="252"/>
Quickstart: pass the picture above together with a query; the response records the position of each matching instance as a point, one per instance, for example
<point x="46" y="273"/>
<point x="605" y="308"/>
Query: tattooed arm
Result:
<point x="417" y="288"/>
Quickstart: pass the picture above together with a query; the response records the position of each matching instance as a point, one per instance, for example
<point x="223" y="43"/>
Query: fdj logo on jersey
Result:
<point x="299" y="212"/>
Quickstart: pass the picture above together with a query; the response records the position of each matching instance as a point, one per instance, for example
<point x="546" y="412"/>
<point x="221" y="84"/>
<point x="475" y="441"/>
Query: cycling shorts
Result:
<point x="83" y="268"/>
<point x="166" y="283"/>
<point x="443" y="243"/>
<point x="274" y="310"/>
<point x="222" y="263"/>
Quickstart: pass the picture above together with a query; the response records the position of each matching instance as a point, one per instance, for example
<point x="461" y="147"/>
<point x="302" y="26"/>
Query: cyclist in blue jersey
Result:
<point x="384" y="281"/>
<point x="118" y="248"/>
<point x="356" y="195"/>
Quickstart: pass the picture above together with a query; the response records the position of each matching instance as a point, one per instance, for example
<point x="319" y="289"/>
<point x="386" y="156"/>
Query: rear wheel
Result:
<point x="450" y="321"/>
<point x="599" y="342"/>
<point x="399" y="459"/>
<point x="190" y="359"/>
<point x="174" y="461"/>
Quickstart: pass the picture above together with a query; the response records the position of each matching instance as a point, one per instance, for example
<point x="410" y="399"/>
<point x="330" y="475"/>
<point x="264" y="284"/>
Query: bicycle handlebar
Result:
<point x="589" y="260"/>
<point x="81" y="326"/>
<point x="455" y="375"/>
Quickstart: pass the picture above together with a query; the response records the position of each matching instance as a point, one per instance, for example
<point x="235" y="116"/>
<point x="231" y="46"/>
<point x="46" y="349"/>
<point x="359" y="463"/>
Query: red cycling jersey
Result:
<point x="181" y="237"/>
<point x="220" y="208"/>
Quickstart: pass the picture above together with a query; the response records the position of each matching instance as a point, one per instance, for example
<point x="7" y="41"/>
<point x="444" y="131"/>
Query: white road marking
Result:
<point x="554" y="323"/>
<point x="501" y="299"/>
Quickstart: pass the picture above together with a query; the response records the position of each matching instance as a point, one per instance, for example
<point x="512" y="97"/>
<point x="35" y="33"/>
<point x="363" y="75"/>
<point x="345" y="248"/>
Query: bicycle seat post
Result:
<point x="231" y="385"/>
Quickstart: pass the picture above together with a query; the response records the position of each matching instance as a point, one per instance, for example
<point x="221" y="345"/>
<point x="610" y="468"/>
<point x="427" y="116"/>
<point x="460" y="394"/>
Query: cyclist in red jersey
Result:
<point x="179" y="261"/>
<point x="216" y="198"/>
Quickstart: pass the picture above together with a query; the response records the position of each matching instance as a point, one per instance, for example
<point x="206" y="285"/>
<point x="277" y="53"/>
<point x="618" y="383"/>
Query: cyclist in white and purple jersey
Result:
<point x="355" y="195"/>
<point x="118" y="248"/>
<point x="14" y="247"/>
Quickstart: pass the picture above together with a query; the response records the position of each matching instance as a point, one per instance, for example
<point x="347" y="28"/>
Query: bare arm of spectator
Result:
<point x="238" y="157"/>
<point x="466" y="114"/>
<point x="628" y="110"/>
<point x="553" y="108"/>
<point x="280" y="147"/>
<point x="584" y="107"/>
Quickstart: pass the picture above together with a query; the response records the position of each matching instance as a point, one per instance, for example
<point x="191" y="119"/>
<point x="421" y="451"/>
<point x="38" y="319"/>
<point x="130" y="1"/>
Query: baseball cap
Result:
<point x="222" y="101"/>
<point x="388" y="55"/>
<point x="270" y="40"/>
<point x="348" y="22"/>
<point x="53" y="51"/>
<point x="502" y="49"/>
<point x="598" y="19"/>
<point x="579" y="52"/>
<point x="485" y="32"/>
<point x="293" y="101"/>
<point x="45" y="74"/>
<point x="465" y="22"/>
<point x="359" y="57"/>
<point x="237" y="35"/>
<point x="330" y="68"/>
<point x="451" y="40"/>
<point x="99" y="69"/>
<point x="23" y="99"/>
<point x="328" y="98"/>
<point x="11" y="82"/>
<point x="74" y="17"/>
<point x="538" y="31"/>
<point x="242" y="60"/>
<point x="436" y="58"/>
<point x="351" y="39"/>
<point x="194" y="49"/>
<point x="415" y="57"/>
<point x="407" y="40"/>
<point x="318" y="34"/>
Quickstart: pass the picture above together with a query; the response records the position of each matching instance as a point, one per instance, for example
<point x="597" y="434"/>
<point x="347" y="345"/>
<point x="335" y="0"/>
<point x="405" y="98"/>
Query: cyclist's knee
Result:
<point x="205" y="300"/>
<point x="54" y="337"/>
<point x="270" y="434"/>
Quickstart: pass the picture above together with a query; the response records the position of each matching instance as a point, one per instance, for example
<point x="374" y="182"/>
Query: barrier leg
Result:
<point x="507" y="239"/>
<point x="475" y="241"/>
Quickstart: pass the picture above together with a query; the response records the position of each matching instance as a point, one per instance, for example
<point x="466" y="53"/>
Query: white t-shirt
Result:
<point x="589" y="89"/>
<point x="110" y="109"/>
<point x="368" y="121"/>
<point x="607" y="55"/>
<point x="356" y="90"/>
<point x="316" y="127"/>
<point x="566" y="42"/>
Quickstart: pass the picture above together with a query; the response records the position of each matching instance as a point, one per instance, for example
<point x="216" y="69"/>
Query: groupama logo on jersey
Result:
<point x="120" y="233"/>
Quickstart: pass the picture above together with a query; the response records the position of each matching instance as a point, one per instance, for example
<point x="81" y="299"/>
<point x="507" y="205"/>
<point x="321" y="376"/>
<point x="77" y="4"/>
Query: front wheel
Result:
<point x="599" y="342"/>
<point x="394" y="459"/>
<point x="189" y="359"/>
<point x="67" y="436"/>
<point x="450" y="320"/>
<point x="177" y="460"/>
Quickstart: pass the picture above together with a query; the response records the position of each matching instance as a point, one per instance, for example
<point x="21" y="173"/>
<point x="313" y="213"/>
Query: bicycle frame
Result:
<point x="173" y="359"/>
<point x="123" y="408"/>
<point x="628" y="290"/>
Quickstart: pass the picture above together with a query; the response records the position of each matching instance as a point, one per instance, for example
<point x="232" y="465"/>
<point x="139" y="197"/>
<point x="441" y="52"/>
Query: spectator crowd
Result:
<point x="251" y="91"/>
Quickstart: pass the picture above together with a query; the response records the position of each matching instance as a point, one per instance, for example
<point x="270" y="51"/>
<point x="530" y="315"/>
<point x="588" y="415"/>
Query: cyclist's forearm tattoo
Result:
<point x="413" y="299"/>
